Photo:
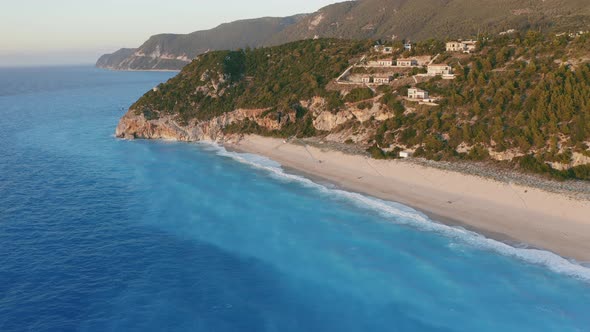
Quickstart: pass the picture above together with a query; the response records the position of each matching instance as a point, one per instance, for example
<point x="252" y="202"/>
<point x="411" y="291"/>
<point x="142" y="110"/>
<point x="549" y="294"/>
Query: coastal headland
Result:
<point x="383" y="120"/>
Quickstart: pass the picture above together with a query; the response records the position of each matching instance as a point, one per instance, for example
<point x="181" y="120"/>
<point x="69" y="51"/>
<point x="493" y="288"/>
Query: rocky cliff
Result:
<point x="135" y="125"/>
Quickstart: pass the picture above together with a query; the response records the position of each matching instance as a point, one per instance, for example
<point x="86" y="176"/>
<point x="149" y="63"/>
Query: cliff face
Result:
<point x="137" y="126"/>
<point x="114" y="60"/>
<point x="141" y="61"/>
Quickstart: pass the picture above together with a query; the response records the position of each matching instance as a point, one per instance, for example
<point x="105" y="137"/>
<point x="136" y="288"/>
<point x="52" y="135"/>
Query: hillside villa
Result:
<point x="382" y="79"/>
<point x="381" y="63"/>
<point x="415" y="93"/>
<point x="440" y="70"/>
<point x="465" y="46"/>
<point x="407" y="63"/>
<point x="379" y="80"/>
<point x="367" y="79"/>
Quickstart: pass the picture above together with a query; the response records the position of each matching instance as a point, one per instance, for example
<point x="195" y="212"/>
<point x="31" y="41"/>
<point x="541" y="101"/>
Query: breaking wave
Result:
<point x="405" y="215"/>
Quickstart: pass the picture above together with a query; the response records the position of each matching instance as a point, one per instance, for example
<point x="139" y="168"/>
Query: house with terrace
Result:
<point x="381" y="63"/>
<point x="417" y="94"/>
<point x="465" y="46"/>
<point x="407" y="62"/>
<point x="382" y="80"/>
<point x="443" y="70"/>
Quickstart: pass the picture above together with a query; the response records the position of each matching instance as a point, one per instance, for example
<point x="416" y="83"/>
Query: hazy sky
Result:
<point x="78" y="31"/>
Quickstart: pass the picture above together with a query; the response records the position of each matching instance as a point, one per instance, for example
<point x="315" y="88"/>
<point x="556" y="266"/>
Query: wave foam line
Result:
<point x="405" y="215"/>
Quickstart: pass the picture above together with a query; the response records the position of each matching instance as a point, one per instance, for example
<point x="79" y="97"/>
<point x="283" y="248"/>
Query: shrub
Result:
<point x="359" y="94"/>
<point x="582" y="172"/>
<point x="376" y="152"/>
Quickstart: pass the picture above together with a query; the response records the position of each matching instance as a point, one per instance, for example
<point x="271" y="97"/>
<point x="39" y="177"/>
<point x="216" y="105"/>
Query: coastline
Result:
<point x="141" y="70"/>
<point x="511" y="213"/>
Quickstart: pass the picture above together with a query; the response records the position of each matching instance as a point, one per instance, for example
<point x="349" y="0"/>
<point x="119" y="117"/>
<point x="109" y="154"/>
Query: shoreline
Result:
<point x="501" y="237"/>
<point x="507" y="212"/>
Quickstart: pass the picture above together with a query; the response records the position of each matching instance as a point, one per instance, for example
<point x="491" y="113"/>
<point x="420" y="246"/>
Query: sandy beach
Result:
<point x="504" y="211"/>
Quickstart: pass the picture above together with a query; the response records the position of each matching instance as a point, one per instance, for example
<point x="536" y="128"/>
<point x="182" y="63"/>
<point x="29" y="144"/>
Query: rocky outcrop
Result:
<point x="113" y="61"/>
<point x="135" y="125"/>
<point x="130" y="59"/>
<point x="328" y="121"/>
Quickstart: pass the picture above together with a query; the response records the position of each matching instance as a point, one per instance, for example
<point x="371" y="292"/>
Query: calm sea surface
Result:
<point x="100" y="234"/>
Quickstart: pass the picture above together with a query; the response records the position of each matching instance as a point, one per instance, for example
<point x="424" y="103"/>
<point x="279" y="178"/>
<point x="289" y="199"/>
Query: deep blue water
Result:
<point x="100" y="234"/>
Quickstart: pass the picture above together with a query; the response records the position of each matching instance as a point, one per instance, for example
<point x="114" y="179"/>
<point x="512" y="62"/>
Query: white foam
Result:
<point x="402" y="214"/>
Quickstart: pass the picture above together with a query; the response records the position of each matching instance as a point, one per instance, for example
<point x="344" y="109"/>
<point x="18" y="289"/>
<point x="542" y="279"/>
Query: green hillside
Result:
<point x="280" y="76"/>
<point x="527" y="96"/>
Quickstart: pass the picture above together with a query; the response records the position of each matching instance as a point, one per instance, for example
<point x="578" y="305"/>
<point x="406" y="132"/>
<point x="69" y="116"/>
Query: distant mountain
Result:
<point x="423" y="19"/>
<point x="114" y="60"/>
<point x="174" y="51"/>
<point x="377" y="19"/>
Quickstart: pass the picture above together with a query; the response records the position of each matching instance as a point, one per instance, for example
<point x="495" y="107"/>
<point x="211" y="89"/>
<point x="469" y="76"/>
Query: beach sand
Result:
<point x="503" y="211"/>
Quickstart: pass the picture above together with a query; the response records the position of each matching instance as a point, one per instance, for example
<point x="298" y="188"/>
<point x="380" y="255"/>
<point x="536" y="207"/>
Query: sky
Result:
<point x="54" y="32"/>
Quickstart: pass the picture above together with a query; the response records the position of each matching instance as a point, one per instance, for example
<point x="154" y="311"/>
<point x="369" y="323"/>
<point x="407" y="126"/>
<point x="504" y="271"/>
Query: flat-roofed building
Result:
<point x="381" y="63"/>
<point x="407" y="62"/>
<point x="415" y="93"/>
<point x="465" y="46"/>
<point x="382" y="79"/>
<point x="440" y="70"/>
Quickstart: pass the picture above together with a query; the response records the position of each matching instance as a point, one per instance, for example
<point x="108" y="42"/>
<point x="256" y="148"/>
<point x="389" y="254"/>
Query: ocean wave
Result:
<point x="402" y="214"/>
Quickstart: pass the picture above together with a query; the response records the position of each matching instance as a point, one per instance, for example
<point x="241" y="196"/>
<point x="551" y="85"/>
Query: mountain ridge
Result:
<point x="174" y="51"/>
<point x="362" y="19"/>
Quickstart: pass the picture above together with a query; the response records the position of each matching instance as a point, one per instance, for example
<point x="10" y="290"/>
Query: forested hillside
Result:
<point x="521" y="100"/>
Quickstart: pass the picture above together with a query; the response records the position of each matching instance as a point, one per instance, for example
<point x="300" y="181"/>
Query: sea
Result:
<point x="103" y="234"/>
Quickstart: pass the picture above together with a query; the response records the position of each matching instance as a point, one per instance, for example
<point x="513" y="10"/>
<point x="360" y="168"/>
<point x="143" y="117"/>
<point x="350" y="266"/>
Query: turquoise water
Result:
<point x="100" y="234"/>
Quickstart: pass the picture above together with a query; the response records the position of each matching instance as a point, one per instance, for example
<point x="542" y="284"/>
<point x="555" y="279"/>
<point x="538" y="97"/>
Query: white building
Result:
<point x="382" y="80"/>
<point x="408" y="46"/>
<point x="440" y="70"/>
<point x="381" y="63"/>
<point x="367" y="79"/>
<point x="407" y="62"/>
<point x="465" y="46"/>
<point x="415" y="93"/>
<point x="404" y="154"/>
